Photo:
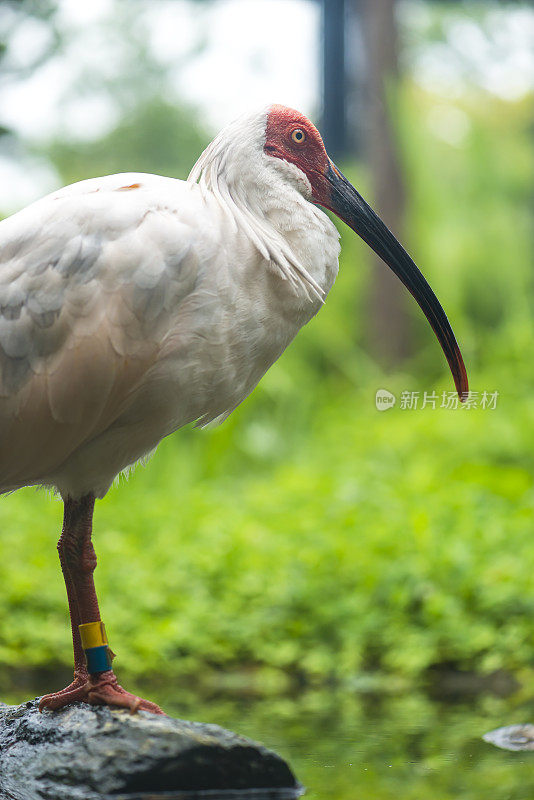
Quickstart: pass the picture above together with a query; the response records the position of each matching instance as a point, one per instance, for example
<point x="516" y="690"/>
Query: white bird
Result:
<point x="134" y="304"/>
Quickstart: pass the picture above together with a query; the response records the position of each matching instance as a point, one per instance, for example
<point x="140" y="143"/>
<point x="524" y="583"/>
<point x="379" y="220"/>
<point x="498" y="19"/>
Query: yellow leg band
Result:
<point x="93" y="634"/>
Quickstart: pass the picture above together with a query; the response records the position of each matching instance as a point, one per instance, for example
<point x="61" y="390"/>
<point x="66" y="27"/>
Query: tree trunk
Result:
<point x="388" y="325"/>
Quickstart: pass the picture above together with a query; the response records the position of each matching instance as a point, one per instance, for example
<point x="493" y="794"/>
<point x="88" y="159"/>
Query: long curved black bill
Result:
<point x="350" y="206"/>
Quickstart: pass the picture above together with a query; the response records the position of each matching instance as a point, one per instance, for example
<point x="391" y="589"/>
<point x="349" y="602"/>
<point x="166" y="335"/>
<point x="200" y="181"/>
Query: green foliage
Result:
<point x="157" y="137"/>
<point x="311" y="536"/>
<point x="353" y="541"/>
<point x="17" y="13"/>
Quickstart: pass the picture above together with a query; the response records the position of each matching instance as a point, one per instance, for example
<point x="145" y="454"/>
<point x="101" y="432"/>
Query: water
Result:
<point x="343" y="745"/>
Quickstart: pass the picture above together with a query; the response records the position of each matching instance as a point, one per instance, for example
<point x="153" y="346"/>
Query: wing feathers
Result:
<point x="88" y="283"/>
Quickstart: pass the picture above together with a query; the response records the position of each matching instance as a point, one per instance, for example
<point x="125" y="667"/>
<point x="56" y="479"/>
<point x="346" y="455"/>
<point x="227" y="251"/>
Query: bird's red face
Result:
<point x="291" y="137"/>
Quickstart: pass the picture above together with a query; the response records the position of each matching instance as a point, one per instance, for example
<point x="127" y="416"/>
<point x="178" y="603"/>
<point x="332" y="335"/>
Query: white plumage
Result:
<point x="133" y="304"/>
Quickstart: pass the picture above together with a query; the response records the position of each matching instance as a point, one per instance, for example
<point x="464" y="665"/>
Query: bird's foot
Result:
<point x="104" y="690"/>
<point x="72" y="693"/>
<point x="97" y="690"/>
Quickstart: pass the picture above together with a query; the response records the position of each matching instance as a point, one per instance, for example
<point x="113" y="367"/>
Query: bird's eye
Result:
<point x="298" y="135"/>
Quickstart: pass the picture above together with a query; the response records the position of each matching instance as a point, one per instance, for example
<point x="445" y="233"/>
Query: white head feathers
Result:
<point x="245" y="180"/>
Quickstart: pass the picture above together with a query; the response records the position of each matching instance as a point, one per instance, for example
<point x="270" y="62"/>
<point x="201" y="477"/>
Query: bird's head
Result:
<point x="292" y="138"/>
<point x="248" y="158"/>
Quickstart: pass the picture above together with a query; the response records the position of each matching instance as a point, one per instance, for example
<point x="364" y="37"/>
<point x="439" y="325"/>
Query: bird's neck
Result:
<point x="278" y="221"/>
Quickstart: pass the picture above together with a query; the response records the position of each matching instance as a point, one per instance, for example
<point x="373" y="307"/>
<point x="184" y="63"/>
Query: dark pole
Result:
<point x="334" y="116"/>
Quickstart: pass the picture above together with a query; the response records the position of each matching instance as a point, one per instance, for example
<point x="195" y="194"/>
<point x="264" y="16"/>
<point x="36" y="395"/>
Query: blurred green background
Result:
<point x="312" y="540"/>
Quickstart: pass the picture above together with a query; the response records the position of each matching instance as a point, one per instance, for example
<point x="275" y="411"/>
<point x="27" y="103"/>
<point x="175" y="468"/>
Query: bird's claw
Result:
<point x="73" y="693"/>
<point x="103" y="690"/>
<point x="106" y="691"/>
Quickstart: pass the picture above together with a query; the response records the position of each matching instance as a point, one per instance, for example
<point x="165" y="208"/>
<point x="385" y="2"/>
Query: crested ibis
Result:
<point x="134" y="304"/>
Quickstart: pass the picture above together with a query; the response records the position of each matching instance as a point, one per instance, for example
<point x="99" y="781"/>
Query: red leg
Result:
<point x="78" y="561"/>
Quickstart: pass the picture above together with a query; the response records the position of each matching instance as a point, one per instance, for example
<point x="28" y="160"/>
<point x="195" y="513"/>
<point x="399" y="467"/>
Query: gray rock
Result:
<point x="512" y="737"/>
<point x="93" y="752"/>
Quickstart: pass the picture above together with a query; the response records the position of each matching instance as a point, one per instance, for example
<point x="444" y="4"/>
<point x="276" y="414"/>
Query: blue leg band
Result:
<point x="98" y="659"/>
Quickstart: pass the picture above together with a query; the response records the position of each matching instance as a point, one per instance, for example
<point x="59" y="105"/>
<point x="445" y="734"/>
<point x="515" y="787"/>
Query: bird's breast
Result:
<point x="231" y="329"/>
